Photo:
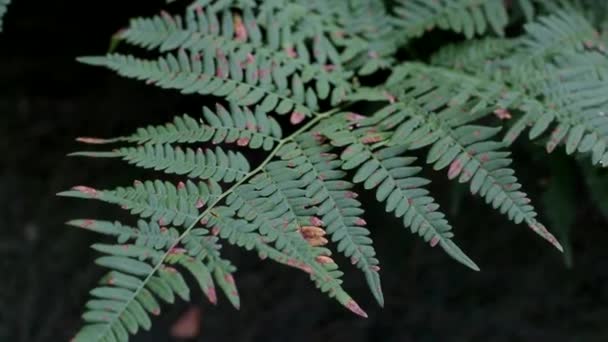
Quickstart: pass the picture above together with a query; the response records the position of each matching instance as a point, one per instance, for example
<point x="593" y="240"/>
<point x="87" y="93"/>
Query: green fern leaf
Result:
<point x="471" y="157"/>
<point x="244" y="234"/>
<point x="476" y="56"/>
<point x="442" y="124"/>
<point x="219" y="75"/>
<point x="141" y="273"/>
<point x="336" y="205"/>
<point x="559" y="33"/>
<point x="394" y="179"/>
<point x="363" y="29"/>
<point x="275" y="203"/>
<point x="234" y="125"/>
<point x="150" y="235"/>
<point x="469" y="17"/>
<point x="205" y="164"/>
<point x="159" y="201"/>
<point x="570" y="97"/>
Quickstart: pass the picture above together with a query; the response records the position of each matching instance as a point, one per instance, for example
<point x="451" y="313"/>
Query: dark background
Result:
<point x="523" y="293"/>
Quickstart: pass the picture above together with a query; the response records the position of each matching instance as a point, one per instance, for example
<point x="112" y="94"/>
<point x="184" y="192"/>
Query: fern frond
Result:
<point x="242" y="233"/>
<point x="212" y="164"/>
<point x="277" y="44"/>
<point x="571" y="82"/>
<point x="570" y="91"/>
<point x="336" y="205"/>
<point x="238" y="79"/>
<point x="435" y="114"/>
<point x="470" y="17"/>
<point x="161" y="202"/>
<point x="271" y="34"/>
<point x="559" y="33"/>
<point x="469" y="156"/>
<point x="363" y="29"/>
<point x="396" y="184"/>
<point x="150" y="235"/>
<point x="202" y="246"/>
<point x="475" y="56"/>
<point x="234" y="125"/>
<point x="298" y="206"/>
<point x="3" y="9"/>
<point x="579" y="106"/>
<point x="141" y="275"/>
<point x="275" y="202"/>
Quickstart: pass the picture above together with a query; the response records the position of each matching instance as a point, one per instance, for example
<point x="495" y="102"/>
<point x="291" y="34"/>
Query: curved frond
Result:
<point x="558" y="33"/>
<point x="296" y="203"/>
<point x="570" y="92"/>
<point x="142" y="274"/>
<point x="234" y="125"/>
<point x="394" y="178"/>
<point x="212" y="164"/>
<point x="265" y="51"/>
<point x="336" y="205"/>
<point x="239" y="79"/>
<point x="469" y="17"/>
<point x="475" y="56"/>
<point x="363" y="29"/>
<point x="161" y="202"/>
<point x="438" y="116"/>
<point x="275" y="203"/>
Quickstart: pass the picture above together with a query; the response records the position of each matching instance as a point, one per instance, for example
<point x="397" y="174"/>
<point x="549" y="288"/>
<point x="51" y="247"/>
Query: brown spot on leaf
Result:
<point x="311" y="232"/>
<point x="211" y="294"/>
<point x="434" y="241"/>
<point x="502" y="114"/>
<point x="315" y="221"/>
<point x="455" y="168"/>
<point x="86" y="190"/>
<point x="291" y="52"/>
<point x="229" y="278"/>
<point x="242" y="141"/>
<point x="354" y="117"/>
<point x="240" y="31"/>
<point x="323" y="259"/>
<point x="296" y="118"/>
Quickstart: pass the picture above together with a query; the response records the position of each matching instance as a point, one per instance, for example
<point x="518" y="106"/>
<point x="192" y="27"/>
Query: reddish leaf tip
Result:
<point x="355" y="308"/>
<point x="434" y="241"/>
<point x="92" y="140"/>
<point x="212" y="295"/>
<point x="296" y="118"/>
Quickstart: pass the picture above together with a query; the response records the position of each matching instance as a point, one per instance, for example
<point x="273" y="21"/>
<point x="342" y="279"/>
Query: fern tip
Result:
<point x="355" y="308"/>
<point x="93" y="140"/>
<point x="455" y="252"/>
<point x="92" y="60"/>
<point x="93" y="154"/>
<point x="542" y="231"/>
